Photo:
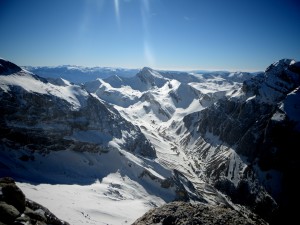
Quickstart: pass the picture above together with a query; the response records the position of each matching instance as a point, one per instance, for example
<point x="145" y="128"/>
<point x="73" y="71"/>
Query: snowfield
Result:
<point x="114" y="200"/>
<point x="88" y="188"/>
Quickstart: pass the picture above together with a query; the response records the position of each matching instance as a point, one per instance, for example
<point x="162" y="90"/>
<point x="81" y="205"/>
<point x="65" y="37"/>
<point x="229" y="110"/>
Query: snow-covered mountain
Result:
<point x="58" y="133"/>
<point x="246" y="143"/>
<point x="221" y="130"/>
<point x="211" y="137"/>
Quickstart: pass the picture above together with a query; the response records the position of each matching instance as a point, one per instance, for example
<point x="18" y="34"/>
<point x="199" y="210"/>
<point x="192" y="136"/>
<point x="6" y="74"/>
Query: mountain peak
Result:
<point x="148" y="72"/>
<point x="146" y="69"/>
<point x="281" y="75"/>
<point x="279" y="65"/>
<point x="7" y="67"/>
<point x="150" y="78"/>
<point x="279" y="79"/>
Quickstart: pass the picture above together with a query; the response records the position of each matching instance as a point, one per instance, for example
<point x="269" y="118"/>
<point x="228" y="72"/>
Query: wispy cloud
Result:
<point x="145" y="12"/>
<point x="186" y="18"/>
<point x="87" y="14"/>
<point x="146" y="15"/>
<point x="148" y="54"/>
<point x="117" y="11"/>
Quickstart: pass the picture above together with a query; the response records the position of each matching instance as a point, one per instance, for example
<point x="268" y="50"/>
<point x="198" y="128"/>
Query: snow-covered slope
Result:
<point x="123" y="96"/>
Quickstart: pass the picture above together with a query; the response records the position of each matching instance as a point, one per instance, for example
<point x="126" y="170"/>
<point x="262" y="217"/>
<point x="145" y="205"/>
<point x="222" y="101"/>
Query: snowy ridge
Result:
<point x="123" y="96"/>
<point x="73" y="94"/>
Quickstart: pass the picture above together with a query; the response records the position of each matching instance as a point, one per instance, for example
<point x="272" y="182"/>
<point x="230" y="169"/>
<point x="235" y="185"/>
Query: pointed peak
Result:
<point x="146" y="69"/>
<point x="149" y="72"/>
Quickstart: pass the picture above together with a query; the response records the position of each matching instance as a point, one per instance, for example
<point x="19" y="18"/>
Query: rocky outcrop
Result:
<point x="180" y="213"/>
<point x="16" y="209"/>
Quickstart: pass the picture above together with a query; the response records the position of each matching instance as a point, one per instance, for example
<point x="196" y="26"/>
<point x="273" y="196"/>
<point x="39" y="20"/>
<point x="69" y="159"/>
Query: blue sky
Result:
<point x="163" y="34"/>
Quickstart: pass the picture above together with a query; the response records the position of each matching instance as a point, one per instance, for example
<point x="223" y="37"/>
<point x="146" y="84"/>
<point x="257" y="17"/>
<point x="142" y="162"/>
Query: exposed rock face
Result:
<point x="179" y="213"/>
<point x="16" y="209"/>
<point x="253" y="160"/>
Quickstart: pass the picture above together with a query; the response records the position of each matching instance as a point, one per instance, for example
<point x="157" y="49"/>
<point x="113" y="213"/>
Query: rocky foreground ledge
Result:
<point x="16" y="209"/>
<point x="182" y="213"/>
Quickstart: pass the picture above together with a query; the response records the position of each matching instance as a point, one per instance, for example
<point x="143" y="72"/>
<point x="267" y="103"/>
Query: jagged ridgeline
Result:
<point x="218" y="138"/>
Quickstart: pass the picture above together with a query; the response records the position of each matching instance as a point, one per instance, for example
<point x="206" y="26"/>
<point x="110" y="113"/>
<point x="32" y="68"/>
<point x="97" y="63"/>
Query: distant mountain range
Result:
<point x="152" y="137"/>
<point x="79" y="74"/>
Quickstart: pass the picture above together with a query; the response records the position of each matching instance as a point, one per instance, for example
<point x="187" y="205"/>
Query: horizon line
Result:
<point x="157" y="68"/>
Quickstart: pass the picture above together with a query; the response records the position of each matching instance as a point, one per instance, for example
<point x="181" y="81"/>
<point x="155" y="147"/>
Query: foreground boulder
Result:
<point x="16" y="209"/>
<point x="180" y="213"/>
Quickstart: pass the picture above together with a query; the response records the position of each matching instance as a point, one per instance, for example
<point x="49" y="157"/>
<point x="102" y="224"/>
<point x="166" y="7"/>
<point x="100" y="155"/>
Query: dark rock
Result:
<point x="12" y="194"/>
<point x="179" y="213"/>
<point x="22" y="219"/>
<point x="8" y="213"/>
<point x="7" y="67"/>
<point x="40" y="210"/>
<point x="295" y="67"/>
<point x="38" y="214"/>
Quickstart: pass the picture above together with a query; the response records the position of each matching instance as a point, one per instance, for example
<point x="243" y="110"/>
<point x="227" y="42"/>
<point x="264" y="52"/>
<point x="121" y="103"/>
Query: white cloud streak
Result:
<point x="89" y="6"/>
<point x="148" y="52"/>
<point x="117" y="12"/>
